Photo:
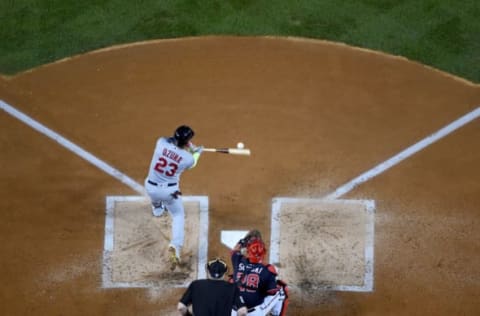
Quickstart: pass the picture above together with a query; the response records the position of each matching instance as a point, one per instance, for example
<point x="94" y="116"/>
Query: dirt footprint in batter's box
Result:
<point x="181" y="273"/>
<point x="187" y="262"/>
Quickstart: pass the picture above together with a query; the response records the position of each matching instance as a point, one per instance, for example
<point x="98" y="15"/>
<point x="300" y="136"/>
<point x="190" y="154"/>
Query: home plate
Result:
<point x="230" y="237"/>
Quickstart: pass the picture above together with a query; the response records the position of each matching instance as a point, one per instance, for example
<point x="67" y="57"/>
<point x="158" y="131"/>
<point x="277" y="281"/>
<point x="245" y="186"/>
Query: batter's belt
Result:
<point x="161" y="184"/>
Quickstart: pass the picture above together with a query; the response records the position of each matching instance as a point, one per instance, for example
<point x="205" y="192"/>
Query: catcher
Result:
<point x="263" y="293"/>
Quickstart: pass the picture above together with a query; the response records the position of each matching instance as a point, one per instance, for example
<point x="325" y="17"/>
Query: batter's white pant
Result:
<point x="271" y="304"/>
<point x="162" y="192"/>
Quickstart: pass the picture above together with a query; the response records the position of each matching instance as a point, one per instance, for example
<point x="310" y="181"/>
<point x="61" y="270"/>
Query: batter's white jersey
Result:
<point x="168" y="162"/>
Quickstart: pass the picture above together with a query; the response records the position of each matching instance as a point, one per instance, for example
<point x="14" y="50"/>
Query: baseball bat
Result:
<point x="231" y="151"/>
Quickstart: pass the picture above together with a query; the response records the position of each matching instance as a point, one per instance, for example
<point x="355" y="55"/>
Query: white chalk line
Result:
<point x="404" y="154"/>
<point x="275" y="207"/>
<point x="109" y="221"/>
<point x="370" y="229"/>
<point x="73" y="147"/>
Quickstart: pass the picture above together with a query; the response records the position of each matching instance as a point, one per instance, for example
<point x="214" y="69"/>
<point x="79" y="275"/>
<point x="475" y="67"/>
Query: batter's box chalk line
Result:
<point x="368" y="206"/>
<point x="107" y="264"/>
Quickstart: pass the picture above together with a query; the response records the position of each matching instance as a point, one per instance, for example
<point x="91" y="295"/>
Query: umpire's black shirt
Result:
<point x="212" y="297"/>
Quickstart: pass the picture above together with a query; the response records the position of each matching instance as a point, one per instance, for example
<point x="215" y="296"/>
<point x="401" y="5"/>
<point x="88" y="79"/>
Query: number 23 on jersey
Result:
<point x="164" y="167"/>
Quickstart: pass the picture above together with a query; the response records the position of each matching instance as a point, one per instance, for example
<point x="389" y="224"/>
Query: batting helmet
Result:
<point x="217" y="268"/>
<point x="183" y="134"/>
<point x="256" y="250"/>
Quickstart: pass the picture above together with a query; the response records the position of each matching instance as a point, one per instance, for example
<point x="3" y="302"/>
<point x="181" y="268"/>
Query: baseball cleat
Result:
<point x="174" y="259"/>
<point x="158" y="209"/>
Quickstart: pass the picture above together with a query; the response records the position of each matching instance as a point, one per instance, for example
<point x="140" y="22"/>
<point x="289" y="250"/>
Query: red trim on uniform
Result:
<point x="272" y="291"/>
<point x="284" y="307"/>
<point x="272" y="269"/>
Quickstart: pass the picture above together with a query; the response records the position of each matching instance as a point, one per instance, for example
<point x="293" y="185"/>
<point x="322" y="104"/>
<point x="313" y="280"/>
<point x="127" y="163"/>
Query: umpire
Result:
<point x="213" y="296"/>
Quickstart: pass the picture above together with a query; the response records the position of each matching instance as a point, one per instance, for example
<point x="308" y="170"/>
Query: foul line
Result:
<point x="72" y="147"/>
<point x="404" y="154"/>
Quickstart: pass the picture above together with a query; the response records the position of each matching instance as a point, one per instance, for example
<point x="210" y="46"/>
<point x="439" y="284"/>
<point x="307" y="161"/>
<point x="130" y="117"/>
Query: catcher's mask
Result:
<point x="217" y="268"/>
<point x="183" y="134"/>
<point x="256" y="250"/>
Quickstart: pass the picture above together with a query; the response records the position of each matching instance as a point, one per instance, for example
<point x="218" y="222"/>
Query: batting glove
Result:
<point x="198" y="149"/>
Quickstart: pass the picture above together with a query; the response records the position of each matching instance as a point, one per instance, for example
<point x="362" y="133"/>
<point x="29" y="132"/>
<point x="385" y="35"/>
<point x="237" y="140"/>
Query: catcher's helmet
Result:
<point x="217" y="268"/>
<point x="183" y="134"/>
<point x="256" y="250"/>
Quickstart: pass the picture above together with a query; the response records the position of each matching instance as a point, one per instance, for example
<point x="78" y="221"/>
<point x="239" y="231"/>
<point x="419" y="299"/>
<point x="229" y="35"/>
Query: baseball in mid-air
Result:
<point x="240" y="145"/>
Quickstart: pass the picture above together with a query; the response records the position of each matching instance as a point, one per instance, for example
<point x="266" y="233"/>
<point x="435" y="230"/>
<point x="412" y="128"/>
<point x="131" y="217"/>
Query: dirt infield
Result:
<point x="315" y="115"/>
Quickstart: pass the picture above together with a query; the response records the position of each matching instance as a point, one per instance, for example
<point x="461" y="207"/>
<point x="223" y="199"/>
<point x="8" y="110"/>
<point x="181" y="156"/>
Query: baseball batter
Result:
<point x="172" y="156"/>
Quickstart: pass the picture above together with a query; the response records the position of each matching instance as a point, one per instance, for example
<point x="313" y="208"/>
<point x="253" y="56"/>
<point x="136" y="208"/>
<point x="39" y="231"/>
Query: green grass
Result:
<point x="444" y="34"/>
